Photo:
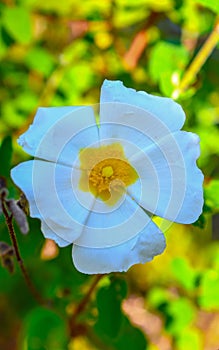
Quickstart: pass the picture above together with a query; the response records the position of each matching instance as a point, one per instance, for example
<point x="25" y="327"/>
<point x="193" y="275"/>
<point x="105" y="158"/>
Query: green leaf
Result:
<point x="3" y="46"/>
<point x="180" y="313"/>
<point x="5" y="156"/>
<point x="210" y="4"/>
<point x="184" y="273"/>
<point x="209" y="290"/>
<point x="189" y="339"/>
<point x="42" y="330"/>
<point x="112" y="326"/>
<point x="157" y="296"/>
<point x="167" y="62"/>
<point x="40" y="60"/>
<point x="212" y="193"/>
<point x="130" y="337"/>
<point x="17" y="22"/>
<point x="201" y="222"/>
<point x="125" y="17"/>
<point x="110" y="316"/>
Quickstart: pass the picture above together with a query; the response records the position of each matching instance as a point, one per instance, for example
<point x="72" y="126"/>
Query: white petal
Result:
<point x="170" y="179"/>
<point x="108" y="226"/>
<point x="130" y="123"/>
<point x="140" y="249"/>
<point x="58" y="133"/>
<point x="48" y="233"/>
<point x="117" y="105"/>
<point x="52" y="198"/>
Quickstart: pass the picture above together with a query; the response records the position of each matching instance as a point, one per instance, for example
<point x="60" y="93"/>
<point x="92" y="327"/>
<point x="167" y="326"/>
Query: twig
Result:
<point x="83" y="303"/>
<point x="26" y="276"/>
<point x="136" y="49"/>
<point x="198" y="61"/>
<point x="139" y="43"/>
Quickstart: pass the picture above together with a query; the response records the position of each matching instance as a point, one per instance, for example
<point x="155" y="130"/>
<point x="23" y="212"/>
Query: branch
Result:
<point x="25" y="274"/>
<point x="83" y="303"/>
<point x="139" y="43"/>
<point x="136" y="50"/>
<point x="198" y="61"/>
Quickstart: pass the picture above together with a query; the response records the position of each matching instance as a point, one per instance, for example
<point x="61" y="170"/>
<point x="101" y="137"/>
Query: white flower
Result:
<point x="96" y="185"/>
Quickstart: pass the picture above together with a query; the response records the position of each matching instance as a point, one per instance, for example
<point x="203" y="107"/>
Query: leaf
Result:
<point x="17" y="22"/>
<point x="5" y="156"/>
<point x="42" y="330"/>
<point x="3" y="46"/>
<point x="184" y="273"/>
<point x="209" y="290"/>
<point x="40" y="60"/>
<point x="110" y="316"/>
<point x="112" y="326"/>
<point x="189" y="339"/>
<point x="130" y="337"/>
<point x="212" y="193"/>
<point x="157" y="297"/>
<point x="167" y="61"/>
<point x="210" y="4"/>
<point x="201" y="222"/>
<point x="180" y="314"/>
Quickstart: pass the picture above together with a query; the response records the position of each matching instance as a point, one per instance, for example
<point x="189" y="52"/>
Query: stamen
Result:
<point x="110" y="172"/>
<point x="107" y="171"/>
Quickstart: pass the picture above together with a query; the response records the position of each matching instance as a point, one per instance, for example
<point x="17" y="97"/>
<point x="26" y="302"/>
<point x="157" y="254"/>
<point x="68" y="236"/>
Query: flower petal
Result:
<point x="140" y="249"/>
<point x="108" y="226"/>
<point x="58" y="133"/>
<point x="52" y="198"/>
<point x="170" y="179"/>
<point x="48" y="233"/>
<point x="117" y="102"/>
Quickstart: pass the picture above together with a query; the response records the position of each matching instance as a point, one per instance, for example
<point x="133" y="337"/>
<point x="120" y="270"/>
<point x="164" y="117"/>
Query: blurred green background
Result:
<point x="56" y="53"/>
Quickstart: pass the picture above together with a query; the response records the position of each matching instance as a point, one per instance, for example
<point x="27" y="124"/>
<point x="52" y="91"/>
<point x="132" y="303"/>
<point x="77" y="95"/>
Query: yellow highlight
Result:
<point x="105" y="172"/>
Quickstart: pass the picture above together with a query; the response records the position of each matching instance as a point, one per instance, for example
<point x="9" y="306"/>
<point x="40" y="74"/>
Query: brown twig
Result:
<point x="139" y="43"/>
<point x="83" y="303"/>
<point x="136" y="49"/>
<point x="31" y="287"/>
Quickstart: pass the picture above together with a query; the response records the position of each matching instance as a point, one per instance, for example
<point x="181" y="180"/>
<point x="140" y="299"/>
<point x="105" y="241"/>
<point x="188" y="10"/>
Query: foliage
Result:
<point x="58" y="53"/>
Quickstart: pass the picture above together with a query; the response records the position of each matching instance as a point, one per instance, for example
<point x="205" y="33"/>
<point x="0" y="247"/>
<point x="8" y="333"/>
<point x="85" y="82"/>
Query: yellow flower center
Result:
<point x="105" y="172"/>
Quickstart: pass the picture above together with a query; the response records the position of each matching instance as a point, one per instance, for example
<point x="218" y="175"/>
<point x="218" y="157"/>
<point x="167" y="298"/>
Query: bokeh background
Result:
<point x="56" y="53"/>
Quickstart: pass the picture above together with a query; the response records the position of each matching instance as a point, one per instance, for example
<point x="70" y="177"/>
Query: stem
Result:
<point x="139" y="43"/>
<point x="198" y="61"/>
<point x="13" y="238"/>
<point x="136" y="49"/>
<point x="83" y="303"/>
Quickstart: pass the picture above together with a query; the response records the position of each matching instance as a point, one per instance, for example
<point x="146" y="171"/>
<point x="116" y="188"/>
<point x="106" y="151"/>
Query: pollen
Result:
<point x="106" y="172"/>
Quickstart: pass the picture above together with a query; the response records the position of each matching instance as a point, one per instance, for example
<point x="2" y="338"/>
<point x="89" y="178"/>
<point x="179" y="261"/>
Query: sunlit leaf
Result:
<point x="180" y="313"/>
<point x="40" y="60"/>
<point x="212" y="193"/>
<point x="210" y="4"/>
<point x="17" y="22"/>
<point x="184" y="273"/>
<point x="157" y="296"/>
<point x="209" y="290"/>
<point x="167" y="61"/>
<point x="189" y="339"/>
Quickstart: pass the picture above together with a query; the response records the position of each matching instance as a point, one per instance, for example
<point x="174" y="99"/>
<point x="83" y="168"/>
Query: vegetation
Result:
<point x="57" y="53"/>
